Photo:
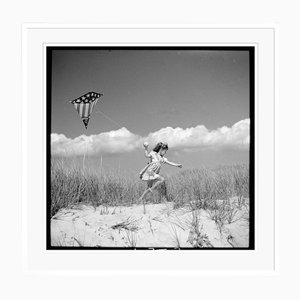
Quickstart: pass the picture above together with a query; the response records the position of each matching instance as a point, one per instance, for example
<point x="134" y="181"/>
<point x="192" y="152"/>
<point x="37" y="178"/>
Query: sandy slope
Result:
<point x="161" y="226"/>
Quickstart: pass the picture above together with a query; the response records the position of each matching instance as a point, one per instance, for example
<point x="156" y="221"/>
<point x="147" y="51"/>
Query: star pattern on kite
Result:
<point x="85" y="104"/>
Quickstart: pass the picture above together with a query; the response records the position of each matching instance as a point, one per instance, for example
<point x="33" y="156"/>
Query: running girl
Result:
<point x="150" y="173"/>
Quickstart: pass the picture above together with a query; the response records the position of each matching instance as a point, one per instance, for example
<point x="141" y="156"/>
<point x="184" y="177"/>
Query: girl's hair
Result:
<point x="159" y="146"/>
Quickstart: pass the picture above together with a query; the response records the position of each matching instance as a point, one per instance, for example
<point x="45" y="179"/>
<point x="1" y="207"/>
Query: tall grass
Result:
<point x="71" y="184"/>
<point x="202" y="187"/>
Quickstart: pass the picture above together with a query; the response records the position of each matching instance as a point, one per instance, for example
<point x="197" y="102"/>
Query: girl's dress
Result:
<point x="154" y="166"/>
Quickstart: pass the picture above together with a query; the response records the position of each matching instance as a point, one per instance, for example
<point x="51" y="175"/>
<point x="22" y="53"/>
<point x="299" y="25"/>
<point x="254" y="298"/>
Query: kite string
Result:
<point x="108" y="118"/>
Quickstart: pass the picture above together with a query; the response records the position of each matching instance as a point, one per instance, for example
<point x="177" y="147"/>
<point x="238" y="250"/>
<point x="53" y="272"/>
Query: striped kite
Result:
<point x="85" y="104"/>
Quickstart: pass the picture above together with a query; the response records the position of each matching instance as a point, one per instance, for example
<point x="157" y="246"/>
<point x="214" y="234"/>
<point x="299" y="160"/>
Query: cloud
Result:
<point x="200" y="138"/>
<point x="188" y="139"/>
<point x="112" y="142"/>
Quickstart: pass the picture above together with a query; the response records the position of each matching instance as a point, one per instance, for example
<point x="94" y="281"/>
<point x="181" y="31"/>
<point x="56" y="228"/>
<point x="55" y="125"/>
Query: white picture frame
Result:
<point x="262" y="260"/>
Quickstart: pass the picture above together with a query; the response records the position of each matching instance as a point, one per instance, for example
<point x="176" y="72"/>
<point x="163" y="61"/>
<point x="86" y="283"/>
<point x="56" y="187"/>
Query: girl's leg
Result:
<point x="148" y="190"/>
<point x="145" y="193"/>
<point x="150" y="184"/>
<point x="159" y="181"/>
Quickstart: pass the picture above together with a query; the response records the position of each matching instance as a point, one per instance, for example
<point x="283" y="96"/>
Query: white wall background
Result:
<point x="16" y="285"/>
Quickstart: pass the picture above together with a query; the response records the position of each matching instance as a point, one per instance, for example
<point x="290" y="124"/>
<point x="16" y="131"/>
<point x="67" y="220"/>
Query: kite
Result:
<point x="85" y="104"/>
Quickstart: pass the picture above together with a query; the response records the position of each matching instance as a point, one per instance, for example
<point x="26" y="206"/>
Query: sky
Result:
<point x="196" y="100"/>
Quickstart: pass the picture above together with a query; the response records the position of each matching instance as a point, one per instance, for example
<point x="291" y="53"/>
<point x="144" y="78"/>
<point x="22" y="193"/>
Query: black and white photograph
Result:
<point x="150" y="147"/>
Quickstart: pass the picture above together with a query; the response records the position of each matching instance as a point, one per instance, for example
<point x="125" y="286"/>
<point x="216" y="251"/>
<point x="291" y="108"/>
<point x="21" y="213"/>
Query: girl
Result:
<point x="150" y="173"/>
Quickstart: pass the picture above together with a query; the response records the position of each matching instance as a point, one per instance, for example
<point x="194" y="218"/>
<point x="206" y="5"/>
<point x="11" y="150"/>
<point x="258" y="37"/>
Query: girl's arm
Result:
<point x="172" y="164"/>
<point x="144" y="170"/>
<point x="146" y="152"/>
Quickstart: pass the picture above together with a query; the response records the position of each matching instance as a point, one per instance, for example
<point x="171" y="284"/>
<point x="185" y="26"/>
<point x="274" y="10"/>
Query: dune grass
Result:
<point x="199" y="188"/>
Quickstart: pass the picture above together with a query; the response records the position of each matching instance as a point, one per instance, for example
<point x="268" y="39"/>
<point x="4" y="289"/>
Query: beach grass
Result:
<point x="198" y="188"/>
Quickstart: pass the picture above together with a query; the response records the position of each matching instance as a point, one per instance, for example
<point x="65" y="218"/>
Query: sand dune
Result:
<point x="161" y="226"/>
